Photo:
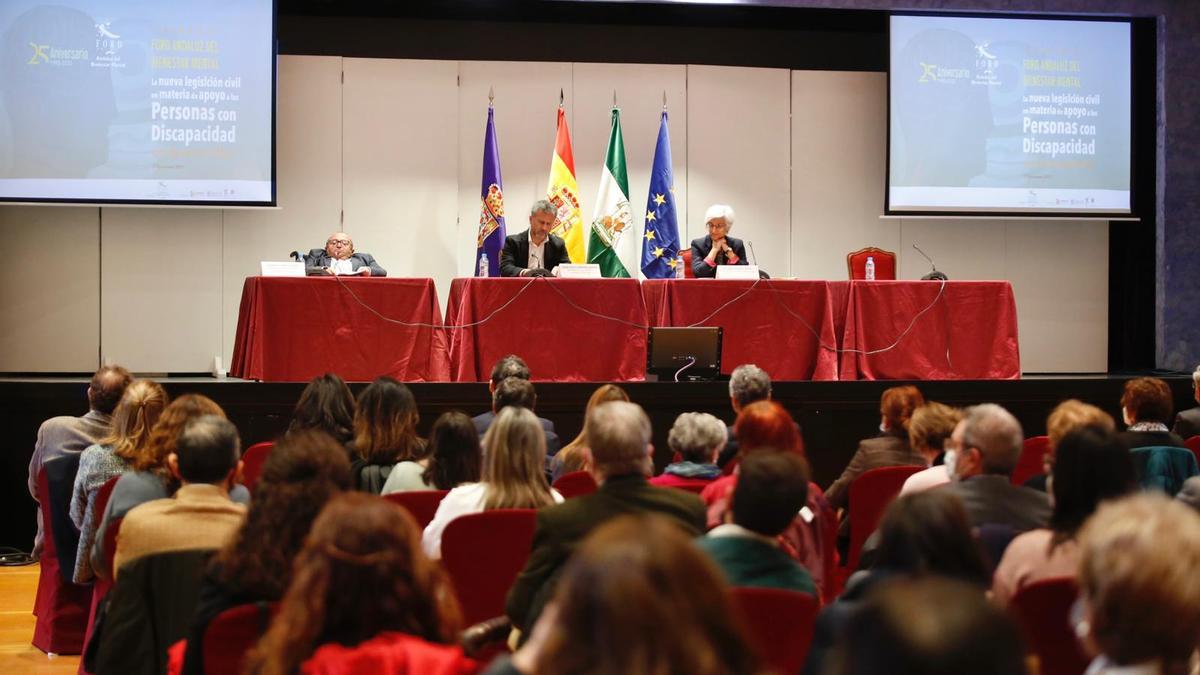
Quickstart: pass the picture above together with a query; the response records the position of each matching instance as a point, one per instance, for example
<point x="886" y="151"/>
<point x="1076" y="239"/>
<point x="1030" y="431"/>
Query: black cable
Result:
<point x="15" y="557"/>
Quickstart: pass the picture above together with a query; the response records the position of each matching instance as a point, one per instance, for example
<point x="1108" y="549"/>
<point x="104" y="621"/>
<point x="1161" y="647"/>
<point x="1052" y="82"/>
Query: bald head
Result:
<point x="107" y="387"/>
<point x="339" y="246"/>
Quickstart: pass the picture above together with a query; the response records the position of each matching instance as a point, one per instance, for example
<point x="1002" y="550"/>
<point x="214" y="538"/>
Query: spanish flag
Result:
<point x="563" y="192"/>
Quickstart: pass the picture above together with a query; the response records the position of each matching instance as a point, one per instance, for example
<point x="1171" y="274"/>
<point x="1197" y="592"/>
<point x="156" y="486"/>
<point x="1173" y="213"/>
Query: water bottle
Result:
<point x="679" y="269"/>
<point x="483" y="265"/>
<point x="870" y="268"/>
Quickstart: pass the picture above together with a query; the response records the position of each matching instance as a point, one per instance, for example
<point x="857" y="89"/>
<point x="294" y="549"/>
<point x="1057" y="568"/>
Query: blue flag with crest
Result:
<point x="491" y="206"/>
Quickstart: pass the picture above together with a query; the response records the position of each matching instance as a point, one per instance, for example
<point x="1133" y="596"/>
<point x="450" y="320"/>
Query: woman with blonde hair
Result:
<point x="132" y="422"/>
<point x="575" y="456"/>
<point x="513" y="475"/>
<point x="930" y="426"/>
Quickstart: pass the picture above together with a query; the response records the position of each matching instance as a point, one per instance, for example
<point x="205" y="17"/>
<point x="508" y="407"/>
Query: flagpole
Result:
<point x="491" y="96"/>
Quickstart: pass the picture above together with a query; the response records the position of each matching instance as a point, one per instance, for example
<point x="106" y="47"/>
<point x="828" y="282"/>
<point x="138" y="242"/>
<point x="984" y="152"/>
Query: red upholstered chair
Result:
<point x="1033" y="451"/>
<point x="233" y="633"/>
<point x="687" y="264"/>
<point x="483" y="553"/>
<point x="780" y="624"/>
<point x="252" y="463"/>
<point x="422" y="504"/>
<point x="885" y="263"/>
<point x="1042" y="609"/>
<point x="1193" y="444"/>
<point x="61" y="607"/>
<point x="694" y="488"/>
<point x="870" y="495"/>
<point x="100" y="586"/>
<point x="575" y="484"/>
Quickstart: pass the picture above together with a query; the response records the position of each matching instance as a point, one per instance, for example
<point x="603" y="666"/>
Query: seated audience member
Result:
<point x="1070" y="415"/>
<point x="1140" y="596"/>
<point x="453" y="457"/>
<point x="716" y="248"/>
<point x="385" y="433"/>
<point x="516" y="392"/>
<point x="508" y="366"/>
<point x="1190" y="494"/>
<point x="631" y="578"/>
<point x="697" y="438"/>
<point x="149" y="477"/>
<point x="537" y="251"/>
<point x="1090" y="466"/>
<point x="305" y="470"/>
<point x="66" y="435"/>
<point x="1187" y="422"/>
<point x="928" y="430"/>
<point x="922" y="534"/>
<point x="931" y="627"/>
<point x="339" y="257"/>
<point x="747" y="384"/>
<point x="772" y="487"/>
<point x="200" y="515"/>
<point x="363" y="599"/>
<point x="983" y="451"/>
<point x="889" y="448"/>
<point x="765" y="426"/>
<point x="326" y="405"/>
<point x="1146" y="405"/>
<point x="113" y="455"/>
<point x="513" y="476"/>
<point x="575" y="456"/>
<point x="619" y="438"/>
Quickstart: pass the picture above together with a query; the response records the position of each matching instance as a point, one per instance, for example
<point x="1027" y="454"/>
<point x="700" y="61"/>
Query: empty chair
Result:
<point x="233" y="633"/>
<point x="780" y="624"/>
<point x="483" y="553"/>
<point x="1033" y="453"/>
<point x="422" y="504"/>
<point x="575" y="484"/>
<point x="61" y="607"/>
<point x="885" y="263"/>
<point x="1043" y="609"/>
<point x="870" y="495"/>
<point x="252" y="463"/>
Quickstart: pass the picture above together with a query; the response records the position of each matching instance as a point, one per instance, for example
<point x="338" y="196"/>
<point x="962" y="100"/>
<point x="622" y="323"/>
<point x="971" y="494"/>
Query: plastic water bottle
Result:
<point x="679" y="268"/>
<point x="483" y="265"/>
<point x="870" y="268"/>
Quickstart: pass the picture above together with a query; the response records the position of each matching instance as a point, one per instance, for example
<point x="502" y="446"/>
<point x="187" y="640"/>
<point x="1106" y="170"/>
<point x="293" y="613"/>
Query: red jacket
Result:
<point x="390" y="654"/>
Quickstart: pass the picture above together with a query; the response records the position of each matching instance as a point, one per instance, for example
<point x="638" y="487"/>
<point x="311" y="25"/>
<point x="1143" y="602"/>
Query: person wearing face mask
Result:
<point x="980" y="457"/>
<point x="535" y="252"/>
<point x="339" y="257"/>
<point x="716" y="248"/>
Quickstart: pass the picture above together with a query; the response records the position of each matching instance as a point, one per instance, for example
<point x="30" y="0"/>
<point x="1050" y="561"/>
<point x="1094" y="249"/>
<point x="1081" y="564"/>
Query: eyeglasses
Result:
<point x="338" y="242"/>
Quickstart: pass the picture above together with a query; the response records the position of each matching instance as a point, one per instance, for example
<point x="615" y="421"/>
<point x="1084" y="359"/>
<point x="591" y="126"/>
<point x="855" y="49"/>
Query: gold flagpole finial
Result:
<point x="560" y="97"/>
<point x="491" y="95"/>
<point x="614" y="98"/>
<point x="664" y="100"/>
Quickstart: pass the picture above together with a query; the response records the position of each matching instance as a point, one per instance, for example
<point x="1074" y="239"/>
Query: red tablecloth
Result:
<point x="292" y="329"/>
<point x="789" y="328"/>
<point x="968" y="331"/>
<point x="547" y="323"/>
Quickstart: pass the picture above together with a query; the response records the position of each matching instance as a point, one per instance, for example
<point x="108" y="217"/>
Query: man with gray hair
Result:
<point x="747" y="384"/>
<point x="980" y="457"/>
<point x="619" y="439"/>
<point x="534" y="252"/>
<point x="1187" y="422"/>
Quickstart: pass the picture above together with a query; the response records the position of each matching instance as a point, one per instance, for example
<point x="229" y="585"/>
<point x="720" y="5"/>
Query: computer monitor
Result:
<point x="684" y="353"/>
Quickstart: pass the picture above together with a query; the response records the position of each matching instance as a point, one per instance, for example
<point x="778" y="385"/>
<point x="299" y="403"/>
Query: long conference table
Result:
<point x="594" y="330"/>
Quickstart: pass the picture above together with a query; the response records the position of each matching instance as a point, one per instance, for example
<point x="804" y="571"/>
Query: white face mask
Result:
<point x="950" y="460"/>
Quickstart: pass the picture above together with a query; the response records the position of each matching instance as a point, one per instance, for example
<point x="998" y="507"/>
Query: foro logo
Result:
<point x="39" y="52"/>
<point x="928" y="72"/>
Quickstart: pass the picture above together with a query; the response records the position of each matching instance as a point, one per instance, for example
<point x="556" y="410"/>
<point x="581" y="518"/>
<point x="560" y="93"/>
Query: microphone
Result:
<point x="297" y="256"/>
<point x="934" y="275"/>
<point x="754" y="261"/>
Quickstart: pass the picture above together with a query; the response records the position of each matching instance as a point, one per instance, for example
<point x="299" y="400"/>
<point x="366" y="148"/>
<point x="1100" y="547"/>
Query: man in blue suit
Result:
<point x="339" y="257"/>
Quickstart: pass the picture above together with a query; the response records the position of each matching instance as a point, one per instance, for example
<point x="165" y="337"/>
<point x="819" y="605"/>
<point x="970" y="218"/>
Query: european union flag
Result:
<point x="660" y="243"/>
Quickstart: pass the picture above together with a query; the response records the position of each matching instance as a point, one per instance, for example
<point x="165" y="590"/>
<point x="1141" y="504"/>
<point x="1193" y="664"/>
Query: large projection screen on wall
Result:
<point x="1004" y="115"/>
<point x="137" y="101"/>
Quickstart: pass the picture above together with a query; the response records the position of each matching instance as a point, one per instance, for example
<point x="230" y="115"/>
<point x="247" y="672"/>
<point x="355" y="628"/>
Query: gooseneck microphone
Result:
<point x="753" y="257"/>
<point x="934" y="274"/>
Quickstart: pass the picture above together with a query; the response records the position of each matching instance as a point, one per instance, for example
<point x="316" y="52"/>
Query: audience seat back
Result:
<point x="484" y="553"/>
<point x="870" y="495"/>
<point x="1033" y="452"/>
<point x="1164" y="468"/>
<point x="1193" y="444"/>
<point x="422" y="504"/>
<point x="100" y="586"/>
<point x="61" y="606"/>
<point x="60" y="484"/>
<point x="1043" y="609"/>
<point x="232" y="633"/>
<point x="780" y="625"/>
<point x="575" y="484"/>
<point x="252" y="463"/>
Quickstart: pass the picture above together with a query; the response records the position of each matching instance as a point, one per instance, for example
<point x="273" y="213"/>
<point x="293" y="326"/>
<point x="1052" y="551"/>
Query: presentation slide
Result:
<point x="1004" y="115"/>
<point x="160" y="101"/>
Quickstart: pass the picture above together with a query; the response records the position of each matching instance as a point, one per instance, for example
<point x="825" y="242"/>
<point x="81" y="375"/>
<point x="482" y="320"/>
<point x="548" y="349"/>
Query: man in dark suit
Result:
<point x="535" y="252"/>
<point x="514" y="391"/>
<point x="716" y="248"/>
<point x="983" y="451"/>
<point x="509" y="366"/>
<point x="339" y="257"/>
<point x="619" y="439"/>
<point x="1187" y="422"/>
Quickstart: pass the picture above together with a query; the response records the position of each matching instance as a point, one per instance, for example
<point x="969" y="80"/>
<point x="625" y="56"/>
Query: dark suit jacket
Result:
<point x="560" y="529"/>
<point x="317" y="260"/>
<point x="887" y="449"/>
<point x="1187" y="423"/>
<point x="701" y="248"/>
<point x="994" y="499"/>
<point x="1148" y="439"/>
<point x="553" y="444"/>
<point x="514" y="257"/>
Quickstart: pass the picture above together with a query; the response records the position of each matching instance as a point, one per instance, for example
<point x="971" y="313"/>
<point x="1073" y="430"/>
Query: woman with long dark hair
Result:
<point x="453" y="457"/>
<point x="385" y="433"/>
<point x="326" y="405"/>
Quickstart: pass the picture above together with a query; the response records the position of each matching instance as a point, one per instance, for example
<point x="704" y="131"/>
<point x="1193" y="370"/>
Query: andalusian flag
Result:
<point x="563" y="192"/>
<point x="613" y="244"/>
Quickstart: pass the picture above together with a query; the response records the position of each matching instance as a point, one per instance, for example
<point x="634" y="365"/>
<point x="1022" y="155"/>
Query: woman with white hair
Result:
<point x="697" y="439"/>
<point x="716" y="248"/>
